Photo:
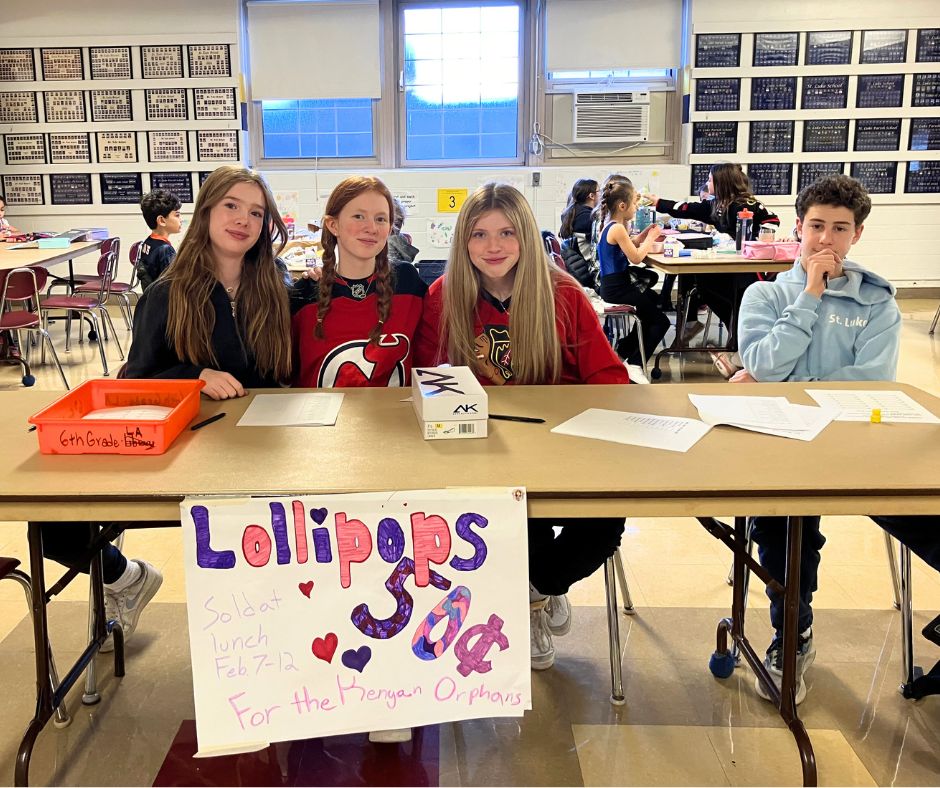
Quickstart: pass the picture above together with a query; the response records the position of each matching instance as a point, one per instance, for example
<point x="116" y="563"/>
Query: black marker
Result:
<point x="32" y="429"/>
<point x="207" y="421"/>
<point x="825" y="279"/>
<point x="526" y="419"/>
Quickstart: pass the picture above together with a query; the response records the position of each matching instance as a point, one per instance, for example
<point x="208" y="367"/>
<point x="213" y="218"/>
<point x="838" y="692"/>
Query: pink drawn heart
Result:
<point x="306" y="588"/>
<point x="325" y="648"/>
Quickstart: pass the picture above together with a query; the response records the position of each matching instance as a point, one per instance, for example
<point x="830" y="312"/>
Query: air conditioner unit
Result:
<point x="611" y="117"/>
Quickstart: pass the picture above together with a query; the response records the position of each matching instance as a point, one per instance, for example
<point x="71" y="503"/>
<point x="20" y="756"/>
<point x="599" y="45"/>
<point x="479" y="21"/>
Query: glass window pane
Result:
<point x="428" y="97"/>
<point x="499" y="43"/>
<point x="427" y="72"/>
<point x="320" y="127"/>
<point x="460" y="20"/>
<point x="501" y="17"/>
<point x="462" y="95"/>
<point x="425" y="147"/>
<point x="462" y="121"/>
<point x="280" y="121"/>
<point x="354" y="119"/>
<point x="423" y="20"/>
<point x="461" y="45"/>
<point x="498" y="68"/>
<point x="280" y="145"/>
<point x="463" y="72"/>
<point x="355" y="144"/>
<point x="499" y="91"/>
<point x="425" y="121"/>
<point x="325" y="120"/>
<point x="462" y="146"/>
<point x="280" y="104"/>
<point x="422" y="47"/>
<point x="498" y="146"/>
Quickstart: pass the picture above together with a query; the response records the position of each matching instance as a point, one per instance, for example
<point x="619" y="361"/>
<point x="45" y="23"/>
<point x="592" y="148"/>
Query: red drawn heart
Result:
<point x="306" y="588"/>
<point x="325" y="648"/>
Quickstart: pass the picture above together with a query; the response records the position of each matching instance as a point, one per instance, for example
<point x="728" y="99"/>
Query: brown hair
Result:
<point x="582" y="189"/>
<point x="264" y="313"/>
<point x="345" y="192"/>
<point x="838" y="190"/>
<point x="536" y="350"/>
<point x="616" y="191"/>
<point x="730" y="184"/>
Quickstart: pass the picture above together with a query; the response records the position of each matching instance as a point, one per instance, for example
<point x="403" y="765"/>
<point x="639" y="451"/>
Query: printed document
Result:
<point x="769" y="415"/>
<point x="895" y="406"/>
<point x="292" y="410"/>
<point x="671" y="433"/>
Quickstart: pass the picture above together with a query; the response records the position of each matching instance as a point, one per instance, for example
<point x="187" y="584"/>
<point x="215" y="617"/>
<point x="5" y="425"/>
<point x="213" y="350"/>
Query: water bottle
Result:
<point x="742" y="232"/>
<point x="644" y="218"/>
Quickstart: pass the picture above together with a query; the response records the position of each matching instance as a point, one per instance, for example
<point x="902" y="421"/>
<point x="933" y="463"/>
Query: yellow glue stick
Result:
<point x="876" y="416"/>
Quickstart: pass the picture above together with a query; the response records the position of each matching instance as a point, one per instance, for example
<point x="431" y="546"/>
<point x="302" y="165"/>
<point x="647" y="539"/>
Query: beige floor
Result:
<point x="680" y="726"/>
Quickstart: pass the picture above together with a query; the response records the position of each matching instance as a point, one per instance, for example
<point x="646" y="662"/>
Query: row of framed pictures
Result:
<point x="104" y="106"/>
<point x="61" y="64"/>
<point x="114" y="188"/>
<point x="818" y="136"/>
<point x="879" y="177"/>
<point x="119" y="147"/>
<point x="723" y="94"/>
<point x="820" y="48"/>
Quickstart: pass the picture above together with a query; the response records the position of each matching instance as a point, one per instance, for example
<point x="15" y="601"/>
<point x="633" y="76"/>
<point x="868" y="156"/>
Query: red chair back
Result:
<point x="109" y="247"/>
<point x="553" y="247"/>
<point x="21" y="284"/>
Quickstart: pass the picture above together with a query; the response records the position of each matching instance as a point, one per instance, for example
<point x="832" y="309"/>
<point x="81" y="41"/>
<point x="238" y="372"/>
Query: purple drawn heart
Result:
<point x="318" y="515"/>
<point x="357" y="660"/>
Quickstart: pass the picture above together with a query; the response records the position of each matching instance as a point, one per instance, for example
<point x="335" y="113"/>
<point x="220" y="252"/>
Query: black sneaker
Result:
<point x="805" y="655"/>
<point x="932" y="631"/>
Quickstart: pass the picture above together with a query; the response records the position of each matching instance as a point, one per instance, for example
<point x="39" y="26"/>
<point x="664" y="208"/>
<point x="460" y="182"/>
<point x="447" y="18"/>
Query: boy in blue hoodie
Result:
<point x="827" y="318"/>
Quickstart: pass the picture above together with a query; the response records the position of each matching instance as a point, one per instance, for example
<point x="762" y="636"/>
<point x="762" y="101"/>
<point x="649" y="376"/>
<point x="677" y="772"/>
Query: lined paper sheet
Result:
<point x="769" y="415"/>
<point x="895" y="406"/>
<point x="292" y="410"/>
<point x="671" y="433"/>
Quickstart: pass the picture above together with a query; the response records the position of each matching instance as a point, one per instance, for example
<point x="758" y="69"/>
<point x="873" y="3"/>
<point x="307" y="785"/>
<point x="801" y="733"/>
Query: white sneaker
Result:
<point x="391" y="736"/>
<point x="126" y="606"/>
<point x="558" y="612"/>
<point x="542" y="650"/>
<point x="773" y="661"/>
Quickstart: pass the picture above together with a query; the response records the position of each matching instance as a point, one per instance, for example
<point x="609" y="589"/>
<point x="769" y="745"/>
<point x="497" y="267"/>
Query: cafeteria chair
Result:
<point x="614" y="575"/>
<point x="21" y="287"/>
<point x="553" y="248"/>
<point x="122" y="290"/>
<point x="107" y="245"/>
<point x="89" y="306"/>
<point x="617" y="319"/>
<point x="933" y="325"/>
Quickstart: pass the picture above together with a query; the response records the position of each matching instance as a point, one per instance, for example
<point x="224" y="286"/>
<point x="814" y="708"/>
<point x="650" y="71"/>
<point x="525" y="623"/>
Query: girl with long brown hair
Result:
<point x="505" y="311"/>
<point x="220" y="312"/>
<point x="354" y="327"/>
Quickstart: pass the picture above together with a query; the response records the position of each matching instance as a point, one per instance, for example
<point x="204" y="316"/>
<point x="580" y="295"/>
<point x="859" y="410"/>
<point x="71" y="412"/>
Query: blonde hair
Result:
<point x="264" y="311"/>
<point x="536" y="350"/>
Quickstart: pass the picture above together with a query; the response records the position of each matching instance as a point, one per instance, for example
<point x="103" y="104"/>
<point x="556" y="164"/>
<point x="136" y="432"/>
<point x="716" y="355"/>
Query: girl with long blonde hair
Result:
<point x="502" y="309"/>
<point x="220" y="312"/>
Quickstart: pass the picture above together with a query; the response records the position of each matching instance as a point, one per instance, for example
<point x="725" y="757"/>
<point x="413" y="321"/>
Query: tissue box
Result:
<point x="449" y="403"/>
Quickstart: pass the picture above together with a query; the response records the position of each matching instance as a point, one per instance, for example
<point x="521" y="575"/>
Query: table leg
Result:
<point x="617" y="696"/>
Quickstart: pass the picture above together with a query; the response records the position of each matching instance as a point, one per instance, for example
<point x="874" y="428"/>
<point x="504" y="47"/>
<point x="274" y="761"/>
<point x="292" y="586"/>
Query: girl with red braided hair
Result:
<point x="354" y="327"/>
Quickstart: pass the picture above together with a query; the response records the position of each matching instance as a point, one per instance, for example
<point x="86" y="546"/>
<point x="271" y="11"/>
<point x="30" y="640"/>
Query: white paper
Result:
<point x="768" y="415"/>
<point x="895" y="406"/>
<point x="671" y="433"/>
<point x="131" y="413"/>
<point x="292" y="410"/>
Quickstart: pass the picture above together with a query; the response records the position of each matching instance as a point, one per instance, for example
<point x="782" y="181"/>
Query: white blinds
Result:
<point x="314" y="49"/>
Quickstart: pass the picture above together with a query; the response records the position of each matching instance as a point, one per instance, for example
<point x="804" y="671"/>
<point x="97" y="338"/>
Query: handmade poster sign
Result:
<point x="322" y="615"/>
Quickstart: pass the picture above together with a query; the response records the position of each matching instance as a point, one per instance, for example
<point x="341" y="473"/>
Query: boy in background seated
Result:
<point x="827" y="318"/>
<point x="161" y="210"/>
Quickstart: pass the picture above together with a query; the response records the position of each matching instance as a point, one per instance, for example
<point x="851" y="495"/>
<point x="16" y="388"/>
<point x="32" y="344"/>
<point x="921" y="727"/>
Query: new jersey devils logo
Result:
<point x="359" y="363"/>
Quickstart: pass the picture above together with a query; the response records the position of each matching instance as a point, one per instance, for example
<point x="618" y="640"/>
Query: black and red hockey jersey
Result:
<point x="345" y="357"/>
<point x="586" y="355"/>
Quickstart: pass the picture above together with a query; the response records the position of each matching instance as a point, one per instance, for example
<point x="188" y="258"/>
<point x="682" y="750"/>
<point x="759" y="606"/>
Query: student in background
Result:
<point x="623" y="279"/>
<point x="501" y="309"/>
<point x="575" y="232"/>
<point x="161" y="210"/>
<point x="6" y="229"/>
<point x="355" y="326"/>
<point x="220" y="313"/>
<point x="400" y="248"/>
<point x="801" y="327"/>
<point x="731" y="191"/>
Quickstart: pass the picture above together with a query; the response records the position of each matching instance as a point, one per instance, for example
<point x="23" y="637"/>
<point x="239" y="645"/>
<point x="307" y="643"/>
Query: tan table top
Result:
<point x="851" y="468"/>
<point x="17" y="258"/>
<point x="723" y="264"/>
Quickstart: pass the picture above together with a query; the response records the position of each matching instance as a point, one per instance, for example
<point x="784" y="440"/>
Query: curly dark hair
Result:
<point x="838" y="190"/>
<point x="157" y="203"/>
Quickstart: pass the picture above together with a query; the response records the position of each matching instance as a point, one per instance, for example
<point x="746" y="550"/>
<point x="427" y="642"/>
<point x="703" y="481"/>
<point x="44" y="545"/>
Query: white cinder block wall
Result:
<point x="898" y="240"/>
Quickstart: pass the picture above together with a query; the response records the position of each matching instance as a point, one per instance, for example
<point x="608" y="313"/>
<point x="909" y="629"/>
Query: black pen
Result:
<point x="825" y="279"/>
<point x="207" y="421"/>
<point x="526" y="419"/>
<point x="32" y="429"/>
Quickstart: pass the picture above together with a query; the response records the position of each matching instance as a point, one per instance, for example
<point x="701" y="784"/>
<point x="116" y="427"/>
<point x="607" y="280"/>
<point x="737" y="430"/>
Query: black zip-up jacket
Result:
<point x="723" y="221"/>
<point x="152" y="356"/>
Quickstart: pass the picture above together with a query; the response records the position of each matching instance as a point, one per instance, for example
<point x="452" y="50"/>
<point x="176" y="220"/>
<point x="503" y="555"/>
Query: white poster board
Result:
<point x="321" y="615"/>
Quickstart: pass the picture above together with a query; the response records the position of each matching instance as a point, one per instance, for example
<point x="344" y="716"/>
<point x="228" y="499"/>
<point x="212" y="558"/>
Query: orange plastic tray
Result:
<point x="62" y="430"/>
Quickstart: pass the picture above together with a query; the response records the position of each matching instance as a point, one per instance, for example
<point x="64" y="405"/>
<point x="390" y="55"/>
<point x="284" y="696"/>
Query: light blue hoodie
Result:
<point x="852" y="333"/>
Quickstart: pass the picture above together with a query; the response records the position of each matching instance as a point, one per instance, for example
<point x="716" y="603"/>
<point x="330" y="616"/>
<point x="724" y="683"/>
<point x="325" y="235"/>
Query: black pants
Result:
<point x="66" y="543"/>
<point x="582" y="547"/>
<point x="920" y="533"/>
<point x="616" y="289"/>
<point x="723" y="294"/>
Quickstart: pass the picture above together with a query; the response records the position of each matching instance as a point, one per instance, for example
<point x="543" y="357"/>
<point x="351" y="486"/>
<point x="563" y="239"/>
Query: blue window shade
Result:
<point x="317" y="128"/>
<point x="461" y="98"/>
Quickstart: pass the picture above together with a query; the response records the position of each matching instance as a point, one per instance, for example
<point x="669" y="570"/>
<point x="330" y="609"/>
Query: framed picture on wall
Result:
<point x="884" y="46"/>
<point x="17" y="65"/>
<point x="214" y="103"/>
<point x="717" y="95"/>
<point x="828" y="48"/>
<point x="699" y="177"/>
<point x="111" y="105"/>
<point x="928" y="45"/>
<point x="217" y="145"/>
<point x="70" y="148"/>
<point x="161" y="62"/>
<point x="110" y="62"/>
<point x="117" y="147"/>
<point x="166" y="104"/>
<point x="24" y="148"/>
<point x="770" y="178"/>
<point x="879" y="177"/>
<point x="776" y="49"/>
<point x="825" y="92"/>
<point x="812" y="171"/>
<point x="23" y="189"/>
<point x="180" y="183"/>
<point x="121" y="188"/>
<point x="62" y="63"/>
<point x="769" y="93"/>
<point x="717" y="50"/>
<point x="18" y="106"/>
<point x="771" y="136"/>
<point x="70" y="188"/>
<point x="880" y="90"/>
<point x="64" y="106"/>
<point x="825" y="136"/>
<point x="877" y="134"/>
<point x="209" y="60"/>
<point x="715" y="137"/>
<point x="167" y="146"/>
<point x="925" y="134"/>
<point x="922" y="177"/>
<point x="926" y="92"/>
<point x="202" y="177"/>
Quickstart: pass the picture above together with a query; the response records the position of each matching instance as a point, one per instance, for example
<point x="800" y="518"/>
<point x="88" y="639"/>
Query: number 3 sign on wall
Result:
<point x="450" y="200"/>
